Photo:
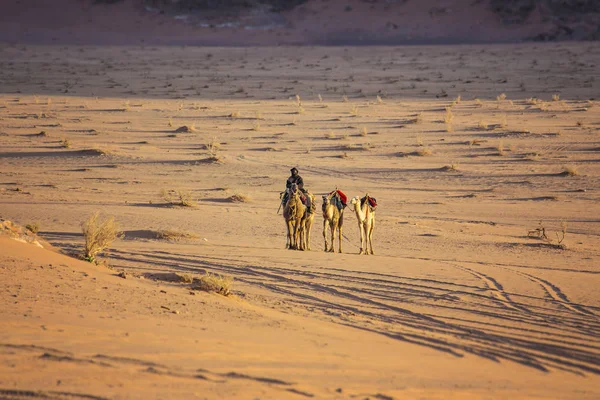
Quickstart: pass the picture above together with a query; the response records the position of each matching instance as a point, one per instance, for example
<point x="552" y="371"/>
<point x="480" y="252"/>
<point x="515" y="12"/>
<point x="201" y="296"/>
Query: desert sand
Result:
<point x="468" y="150"/>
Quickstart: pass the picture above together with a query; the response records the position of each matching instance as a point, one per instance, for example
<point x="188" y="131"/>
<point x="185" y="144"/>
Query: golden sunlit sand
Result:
<point x="484" y="162"/>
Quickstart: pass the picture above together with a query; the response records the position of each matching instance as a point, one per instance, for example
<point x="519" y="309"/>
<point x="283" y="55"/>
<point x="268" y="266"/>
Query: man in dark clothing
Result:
<point x="297" y="179"/>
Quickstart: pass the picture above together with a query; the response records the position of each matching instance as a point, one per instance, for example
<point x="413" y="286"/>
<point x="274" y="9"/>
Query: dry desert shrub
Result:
<point x="482" y="125"/>
<point x="234" y="114"/>
<point x="212" y="149"/>
<point x="478" y="103"/>
<point x="65" y="143"/>
<point x="181" y="198"/>
<point x="239" y="198"/>
<point x="449" y="117"/>
<point x="500" y="148"/>
<point x="569" y="170"/>
<point x="501" y="97"/>
<point x="450" y="168"/>
<point x="33" y="227"/>
<point x="417" y="120"/>
<point x="541" y="233"/>
<point x="556" y="97"/>
<point x="363" y="131"/>
<point x="186" y="129"/>
<point x="354" y="111"/>
<point x="256" y="126"/>
<point x="503" y="122"/>
<point x="423" y="152"/>
<point x="175" y="235"/>
<point x="98" y="235"/>
<point x="379" y="100"/>
<point x="216" y="283"/>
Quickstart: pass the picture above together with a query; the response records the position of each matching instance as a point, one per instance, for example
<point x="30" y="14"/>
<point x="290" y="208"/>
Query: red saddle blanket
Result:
<point x="372" y="201"/>
<point x="342" y="196"/>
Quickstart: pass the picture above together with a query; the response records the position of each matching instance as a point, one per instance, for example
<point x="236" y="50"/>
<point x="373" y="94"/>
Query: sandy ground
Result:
<point x="458" y="302"/>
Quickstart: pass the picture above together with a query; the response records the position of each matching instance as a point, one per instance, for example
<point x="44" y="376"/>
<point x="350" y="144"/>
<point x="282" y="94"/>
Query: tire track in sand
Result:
<point x="557" y="295"/>
<point x="495" y="288"/>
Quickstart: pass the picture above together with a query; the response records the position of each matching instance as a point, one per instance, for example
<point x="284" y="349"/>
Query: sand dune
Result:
<point x="470" y="152"/>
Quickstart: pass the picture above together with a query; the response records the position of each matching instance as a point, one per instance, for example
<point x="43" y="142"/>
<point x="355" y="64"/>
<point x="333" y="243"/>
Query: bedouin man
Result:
<point x="297" y="179"/>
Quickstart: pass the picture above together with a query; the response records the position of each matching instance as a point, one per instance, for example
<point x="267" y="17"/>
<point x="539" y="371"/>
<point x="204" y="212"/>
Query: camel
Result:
<point x="306" y="224"/>
<point x="293" y="212"/>
<point x="365" y="214"/>
<point x="334" y="218"/>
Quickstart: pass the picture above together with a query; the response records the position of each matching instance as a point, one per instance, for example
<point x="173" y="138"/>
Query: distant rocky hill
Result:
<point x="298" y="22"/>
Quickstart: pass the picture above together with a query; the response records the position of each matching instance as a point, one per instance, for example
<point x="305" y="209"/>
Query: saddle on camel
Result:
<point x="337" y="198"/>
<point x="372" y="201"/>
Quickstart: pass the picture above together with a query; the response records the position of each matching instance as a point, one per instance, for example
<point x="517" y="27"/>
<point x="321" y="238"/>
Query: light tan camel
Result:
<point x="306" y="224"/>
<point x="365" y="214"/>
<point x="293" y="212"/>
<point x="334" y="218"/>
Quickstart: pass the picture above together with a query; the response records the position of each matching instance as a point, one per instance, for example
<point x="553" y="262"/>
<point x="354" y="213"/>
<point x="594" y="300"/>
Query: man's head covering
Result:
<point x="294" y="169"/>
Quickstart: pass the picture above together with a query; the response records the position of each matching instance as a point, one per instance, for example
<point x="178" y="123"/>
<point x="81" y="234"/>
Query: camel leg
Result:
<point x="325" y="232"/>
<point x="361" y="228"/>
<point x="301" y="234"/>
<point x="291" y="235"/>
<point x="371" y="229"/>
<point x="307" y="229"/>
<point x="294" y="241"/>
<point x="340" y="235"/>
<point x="332" y="226"/>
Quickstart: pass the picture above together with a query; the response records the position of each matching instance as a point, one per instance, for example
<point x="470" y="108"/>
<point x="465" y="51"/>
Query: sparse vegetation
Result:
<point x="449" y="117"/>
<point x="556" y="97"/>
<point x="569" y="170"/>
<point x="220" y="284"/>
<point x="175" y="235"/>
<point x="98" y="235"/>
<point x="424" y="151"/>
<point x="182" y="198"/>
<point x="65" y="143"/>
<point x="212" y="149"/>
<point x="450" y="168"/>
<point x="500" y="148"/>
<point x="501" y="97"/>
<point x="503" y="122"/>
<point x="239" y="198"/>
<point x="417" y="119"/>
<point x="33" y="227"/>
<point x="186" y="129"/>
<point x="541" y="233"/>
<point x="363" y="131"/>
<point x="482" y="125"/>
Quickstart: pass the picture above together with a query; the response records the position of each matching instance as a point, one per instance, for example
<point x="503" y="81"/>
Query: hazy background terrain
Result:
<point x="268" y="22"/>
